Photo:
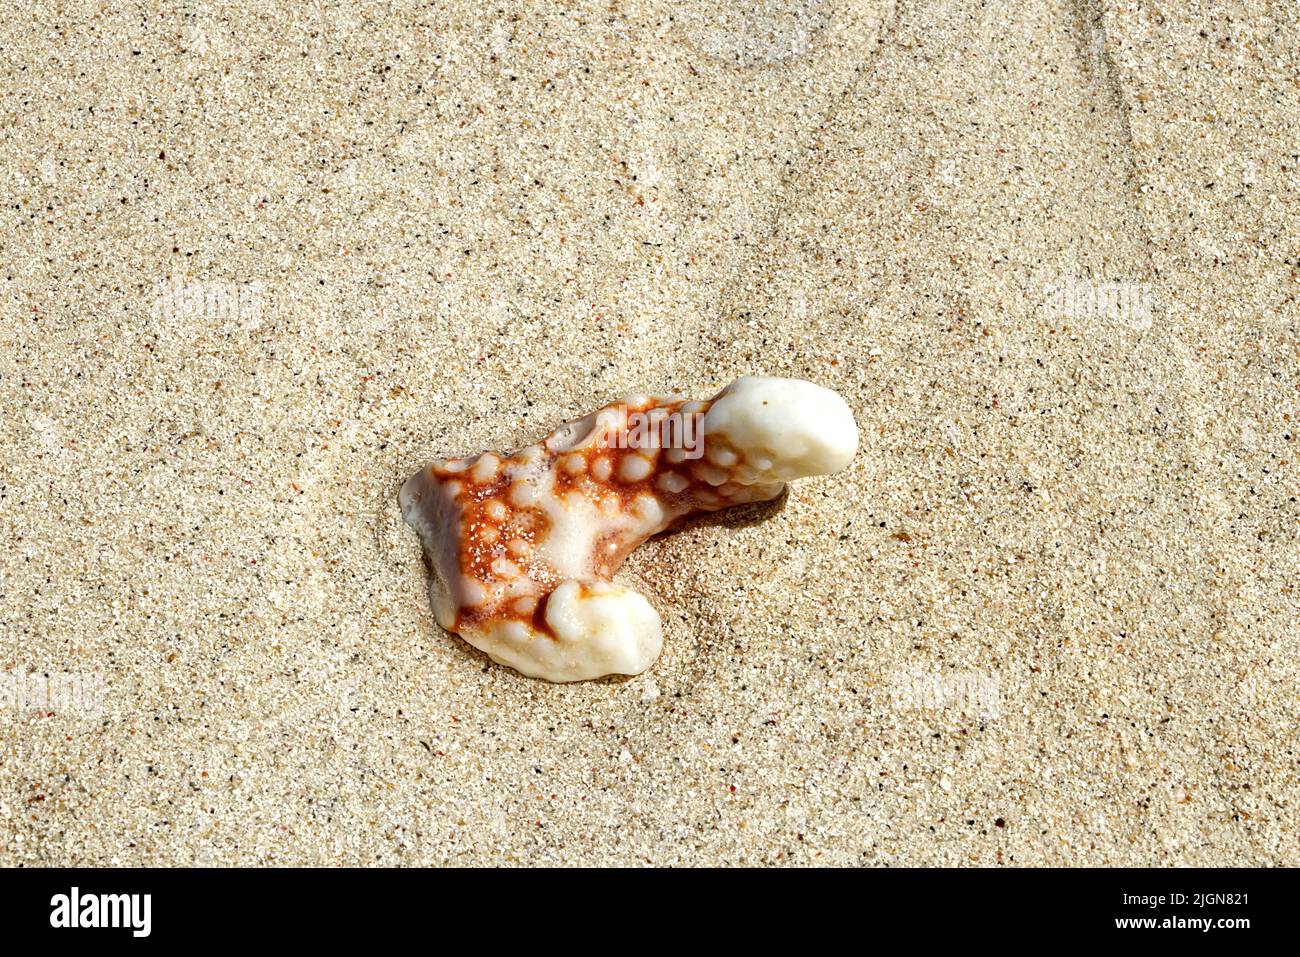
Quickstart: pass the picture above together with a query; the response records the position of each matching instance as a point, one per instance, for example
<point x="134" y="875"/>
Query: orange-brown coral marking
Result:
<point x="522" y="547"/>
<point x="636" y="486"/>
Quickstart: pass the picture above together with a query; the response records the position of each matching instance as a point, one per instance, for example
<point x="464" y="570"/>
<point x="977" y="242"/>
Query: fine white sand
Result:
<point x="1049" y="614"/>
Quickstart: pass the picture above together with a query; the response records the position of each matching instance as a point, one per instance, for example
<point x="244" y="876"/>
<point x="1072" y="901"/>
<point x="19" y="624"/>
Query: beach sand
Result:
<point x="261" y="263"/>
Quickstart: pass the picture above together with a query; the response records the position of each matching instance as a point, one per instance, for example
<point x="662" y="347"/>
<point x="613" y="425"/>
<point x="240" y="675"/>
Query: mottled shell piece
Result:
<point x="522" y="547"/>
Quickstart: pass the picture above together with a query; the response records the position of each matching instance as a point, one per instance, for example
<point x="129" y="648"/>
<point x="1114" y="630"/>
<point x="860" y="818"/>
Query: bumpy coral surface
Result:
<point x="521" y="548"/>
